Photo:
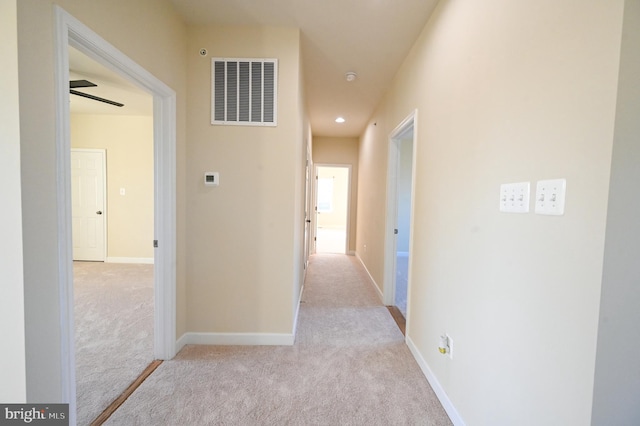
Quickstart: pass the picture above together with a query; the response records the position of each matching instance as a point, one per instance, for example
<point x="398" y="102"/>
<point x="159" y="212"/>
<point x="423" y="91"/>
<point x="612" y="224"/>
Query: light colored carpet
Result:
<point x="349" y="366"/>
<point x="113" y="331"/>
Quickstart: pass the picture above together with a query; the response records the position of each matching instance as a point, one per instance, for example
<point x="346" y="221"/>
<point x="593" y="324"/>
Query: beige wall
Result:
<point x="505" y="92"/>
<point x="245" y="235"/>
<point x="12" y="356"/>
<point x="617" y="377"/>
<point x="128" y="141"/>
<point x="160" y="49"/>
<point x="329" y="150"/>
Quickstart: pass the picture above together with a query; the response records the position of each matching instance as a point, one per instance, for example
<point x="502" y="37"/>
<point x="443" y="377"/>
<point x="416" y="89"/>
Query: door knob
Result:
<point x="99" y="212"/>
<point x="308" y="221"/>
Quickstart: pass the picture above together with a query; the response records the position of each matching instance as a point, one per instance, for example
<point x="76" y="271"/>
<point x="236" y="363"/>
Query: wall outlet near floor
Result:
<point x="446" y="345"/>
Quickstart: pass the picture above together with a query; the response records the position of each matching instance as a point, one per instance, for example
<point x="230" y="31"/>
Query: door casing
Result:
<point x="71" y="32"/>
<point x="395" y="137"/>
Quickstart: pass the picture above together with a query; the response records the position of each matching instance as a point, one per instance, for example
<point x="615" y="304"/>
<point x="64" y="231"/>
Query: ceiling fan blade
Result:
<point x="81" y="83"/>
<point x="96" y="98"/>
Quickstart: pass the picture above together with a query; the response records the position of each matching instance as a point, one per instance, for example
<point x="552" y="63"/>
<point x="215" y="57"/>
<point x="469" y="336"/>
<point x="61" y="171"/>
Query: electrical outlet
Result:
<point x="514" y="197"/>
<point x="550" y="196"/>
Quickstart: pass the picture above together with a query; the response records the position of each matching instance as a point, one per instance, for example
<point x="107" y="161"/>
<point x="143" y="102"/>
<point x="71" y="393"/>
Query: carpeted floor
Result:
<point x="349" y="366"/>
<point x="113" y="331"/>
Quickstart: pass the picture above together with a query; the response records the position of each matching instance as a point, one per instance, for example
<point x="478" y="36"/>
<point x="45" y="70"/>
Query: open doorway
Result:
<point x="71" y="32"/>
<point x="112" y="226"/>
<point x="332" y="208"/>
<point x="399" y="211"/>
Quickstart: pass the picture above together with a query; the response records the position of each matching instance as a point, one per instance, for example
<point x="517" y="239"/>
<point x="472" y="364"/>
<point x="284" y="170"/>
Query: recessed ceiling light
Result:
<point x="340" y="120"/>
<point x="351" y="76"/>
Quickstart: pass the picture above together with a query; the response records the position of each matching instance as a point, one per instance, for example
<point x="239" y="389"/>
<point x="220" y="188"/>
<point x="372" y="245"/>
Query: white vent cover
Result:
<point x="244" y="91"/>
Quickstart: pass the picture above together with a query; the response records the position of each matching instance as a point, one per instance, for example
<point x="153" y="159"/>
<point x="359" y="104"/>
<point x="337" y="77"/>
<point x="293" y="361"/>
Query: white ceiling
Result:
<point x="368" y="37"/>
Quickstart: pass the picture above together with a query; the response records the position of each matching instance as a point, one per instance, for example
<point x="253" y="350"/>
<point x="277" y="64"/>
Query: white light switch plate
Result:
<point x="514" y="197"/>
<point x="550" y="195"/>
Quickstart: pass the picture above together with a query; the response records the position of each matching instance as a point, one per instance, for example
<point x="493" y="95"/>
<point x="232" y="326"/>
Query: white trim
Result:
<point x="71" y="32"/>
<point x="235" y="339"/>
<point x="373" y="282"/>
<point x="402" y="254"/>
<point x="144" y="260"/>
<point x="390" y="243"/>
<point x="297" y="312"/>
<point x="435" y="384"/>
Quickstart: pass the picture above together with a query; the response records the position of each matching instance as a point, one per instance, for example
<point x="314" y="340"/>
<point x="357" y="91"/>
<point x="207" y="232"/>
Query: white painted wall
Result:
<point x="12" y="334"/>
<point x="505" y="92"/>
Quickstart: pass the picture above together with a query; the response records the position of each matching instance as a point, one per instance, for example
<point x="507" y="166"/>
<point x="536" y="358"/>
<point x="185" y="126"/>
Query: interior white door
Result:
<point x="88" y="204"/>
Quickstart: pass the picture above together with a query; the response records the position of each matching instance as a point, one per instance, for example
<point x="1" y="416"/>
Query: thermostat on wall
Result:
<point x="212" y="178"/>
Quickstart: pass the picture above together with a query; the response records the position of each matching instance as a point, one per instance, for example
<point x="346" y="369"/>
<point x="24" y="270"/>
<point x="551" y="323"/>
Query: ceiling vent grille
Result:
<point x="244" y="92"/>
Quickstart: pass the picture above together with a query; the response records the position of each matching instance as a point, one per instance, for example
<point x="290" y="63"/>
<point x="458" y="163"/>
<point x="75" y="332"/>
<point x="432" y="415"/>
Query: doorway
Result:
<point x="400" y="182"/>
<point x="332" y="208"/>
<point x="71" y="32"/>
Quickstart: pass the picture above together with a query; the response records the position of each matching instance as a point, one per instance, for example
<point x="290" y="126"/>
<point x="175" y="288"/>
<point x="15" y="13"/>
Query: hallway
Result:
<point x="349" y="365"/>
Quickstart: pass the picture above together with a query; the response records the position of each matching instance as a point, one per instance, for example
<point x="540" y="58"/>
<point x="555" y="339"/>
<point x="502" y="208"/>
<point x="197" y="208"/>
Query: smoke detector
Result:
<point x="351" y="76"/>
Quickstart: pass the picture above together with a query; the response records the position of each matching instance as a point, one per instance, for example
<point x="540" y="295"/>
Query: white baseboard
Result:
<point x="373" y="282"/>
<point x="351" y="253"/>
<point x="295" y="315"/>
<point x="235" y="339"/>
<point x="435" y="384"/>
<point x="145" y="260"/>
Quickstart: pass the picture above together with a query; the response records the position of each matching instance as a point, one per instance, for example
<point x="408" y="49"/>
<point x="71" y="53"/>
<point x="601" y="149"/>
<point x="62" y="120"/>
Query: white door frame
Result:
<point x="71" y="32"/>
<point x="392" y="211"/>
<point x="105" y="207"/>
<point x="315" y="202"/>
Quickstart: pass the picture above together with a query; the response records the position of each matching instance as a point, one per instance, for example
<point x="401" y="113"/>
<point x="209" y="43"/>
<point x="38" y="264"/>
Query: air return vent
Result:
<point x="244" y="92"/>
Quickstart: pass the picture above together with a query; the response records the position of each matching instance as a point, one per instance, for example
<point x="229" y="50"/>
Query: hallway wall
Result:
<point x="505" y="92"/>
<point x="243" y="263"/>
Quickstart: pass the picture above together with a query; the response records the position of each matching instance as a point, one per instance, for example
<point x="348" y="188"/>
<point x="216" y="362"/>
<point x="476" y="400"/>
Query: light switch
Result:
<point x="122" y="191"/>
<point x="514" y="197"/>
<point x="550" y="195"/>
